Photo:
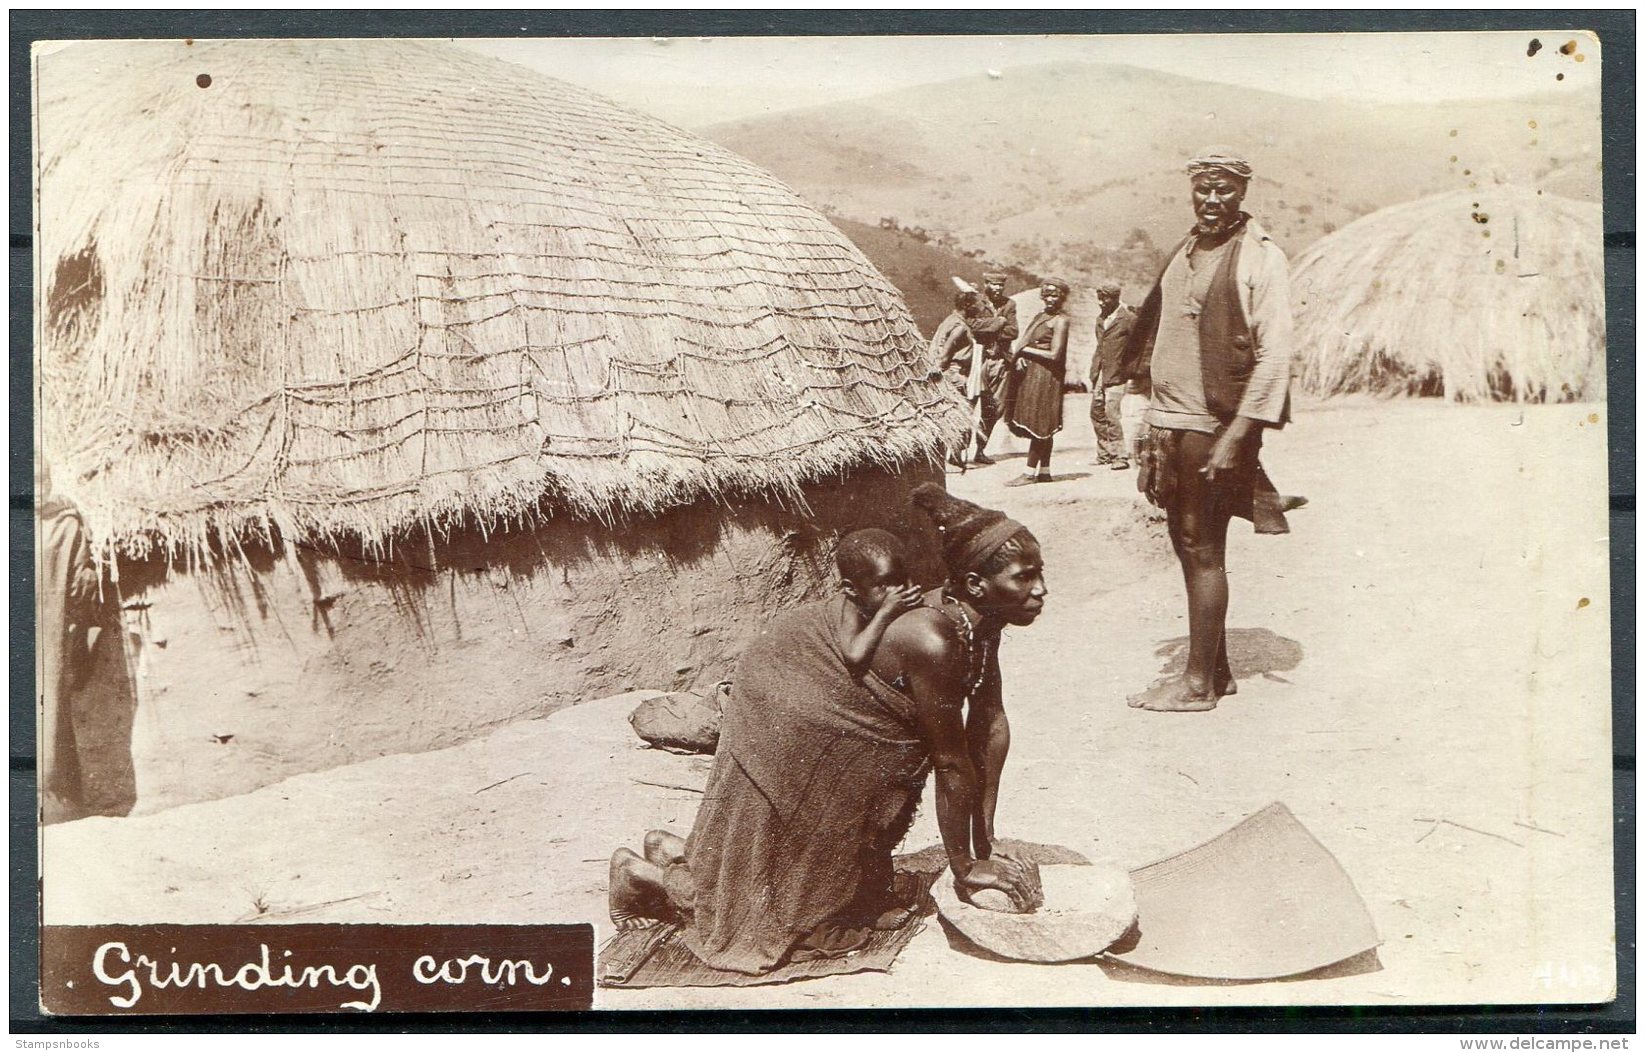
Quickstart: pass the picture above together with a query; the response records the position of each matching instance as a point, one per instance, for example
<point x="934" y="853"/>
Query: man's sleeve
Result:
<point x="987" y="327"/>
<point x="1122" y="328"/>
<point x="1008" y="332"/>
<point x="1264" y="398"/>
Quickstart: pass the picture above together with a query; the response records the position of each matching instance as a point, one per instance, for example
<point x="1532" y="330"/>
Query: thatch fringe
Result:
<point x="358" y="287"/>
<point x="1492" y="293"/>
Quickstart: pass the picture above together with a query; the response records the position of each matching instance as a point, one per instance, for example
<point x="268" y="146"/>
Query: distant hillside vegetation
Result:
<point x="922" y="270"/>
<point x="1050" y="166"/>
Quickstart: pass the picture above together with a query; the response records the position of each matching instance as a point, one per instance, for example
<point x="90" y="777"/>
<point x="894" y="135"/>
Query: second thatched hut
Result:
<point x="1496" y="293"/>
<point x="405" y="392"/>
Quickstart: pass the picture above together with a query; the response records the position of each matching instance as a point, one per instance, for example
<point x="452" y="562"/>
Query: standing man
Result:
<point x="995" y="331"/>
<point x="1115" y="321"/>
<point x="1213" y="339"/>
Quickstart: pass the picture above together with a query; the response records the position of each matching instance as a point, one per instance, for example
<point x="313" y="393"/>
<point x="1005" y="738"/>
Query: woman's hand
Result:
<point x="1031" y="874"/>
<point x="1005" y="874"/>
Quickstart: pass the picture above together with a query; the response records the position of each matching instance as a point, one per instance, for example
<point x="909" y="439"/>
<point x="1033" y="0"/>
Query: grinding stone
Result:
<point x="1086" y="909"/>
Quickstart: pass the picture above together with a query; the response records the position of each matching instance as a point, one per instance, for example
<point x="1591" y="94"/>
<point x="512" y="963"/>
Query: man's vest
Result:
<point x="1226" y="345"/>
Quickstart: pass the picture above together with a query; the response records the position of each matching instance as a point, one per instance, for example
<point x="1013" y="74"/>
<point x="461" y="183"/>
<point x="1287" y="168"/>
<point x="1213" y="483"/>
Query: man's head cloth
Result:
<point x="1219" y="160"/>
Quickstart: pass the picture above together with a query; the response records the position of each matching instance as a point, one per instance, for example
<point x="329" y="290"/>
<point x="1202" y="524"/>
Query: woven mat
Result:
<point x="1262" y="901"/>
<point x="654" y="956"/>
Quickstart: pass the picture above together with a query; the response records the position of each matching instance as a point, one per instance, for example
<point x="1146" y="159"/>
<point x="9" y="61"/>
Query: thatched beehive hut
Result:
<point x="408" y="392"/>
<point x="1491" y="293"/>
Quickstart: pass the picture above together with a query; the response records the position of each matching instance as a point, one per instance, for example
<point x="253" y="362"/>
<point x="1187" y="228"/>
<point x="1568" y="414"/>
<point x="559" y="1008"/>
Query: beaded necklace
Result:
<point x="980" y="654"/>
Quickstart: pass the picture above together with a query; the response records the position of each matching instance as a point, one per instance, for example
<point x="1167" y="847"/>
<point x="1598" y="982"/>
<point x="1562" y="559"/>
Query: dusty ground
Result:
<point x="1423" y="666"/>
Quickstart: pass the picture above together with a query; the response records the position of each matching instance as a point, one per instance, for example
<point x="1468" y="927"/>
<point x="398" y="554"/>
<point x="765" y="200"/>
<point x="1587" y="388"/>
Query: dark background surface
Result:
<point x="1616" y="30"/>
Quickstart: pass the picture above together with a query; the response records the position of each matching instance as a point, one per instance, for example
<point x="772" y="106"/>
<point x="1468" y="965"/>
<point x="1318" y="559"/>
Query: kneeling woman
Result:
<point x="1041" y="358"/>
<point x="818" y="774"/>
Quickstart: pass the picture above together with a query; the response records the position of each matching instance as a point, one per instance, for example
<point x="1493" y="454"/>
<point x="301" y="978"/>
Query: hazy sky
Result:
<point x="693" y="81"/>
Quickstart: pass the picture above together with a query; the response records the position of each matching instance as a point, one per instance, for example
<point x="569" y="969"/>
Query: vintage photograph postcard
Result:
<point x="817" y="522"/>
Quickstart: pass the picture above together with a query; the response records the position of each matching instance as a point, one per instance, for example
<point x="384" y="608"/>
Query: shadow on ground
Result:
<point x="1251" y="652"/>
<point x="1124" y="972"/>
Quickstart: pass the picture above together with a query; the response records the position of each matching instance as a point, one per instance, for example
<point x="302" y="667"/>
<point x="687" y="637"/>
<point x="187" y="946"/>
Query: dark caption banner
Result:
<point x="130" y="969"/>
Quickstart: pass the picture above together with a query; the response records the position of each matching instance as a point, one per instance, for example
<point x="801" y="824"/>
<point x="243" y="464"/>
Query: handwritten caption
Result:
<point x="118" y="969"/>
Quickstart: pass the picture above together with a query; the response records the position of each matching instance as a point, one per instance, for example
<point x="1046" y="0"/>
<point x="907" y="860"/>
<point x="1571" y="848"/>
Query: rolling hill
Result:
<point x="1057" y="167"/>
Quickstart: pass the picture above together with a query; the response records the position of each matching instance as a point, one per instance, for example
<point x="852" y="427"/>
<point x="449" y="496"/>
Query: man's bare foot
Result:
<point x="1175" y="695"/>
<point x="830" y="940"/>
<point x="633" y="903"/>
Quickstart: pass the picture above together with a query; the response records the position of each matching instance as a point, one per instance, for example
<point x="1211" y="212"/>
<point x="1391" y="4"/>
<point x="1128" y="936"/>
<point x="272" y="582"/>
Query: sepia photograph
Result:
<point x="822" y="522"/>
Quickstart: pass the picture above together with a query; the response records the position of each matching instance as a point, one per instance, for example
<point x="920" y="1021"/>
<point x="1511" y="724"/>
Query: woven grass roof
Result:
<point x="354" y="287"/>
<point x="1492" y="293"/>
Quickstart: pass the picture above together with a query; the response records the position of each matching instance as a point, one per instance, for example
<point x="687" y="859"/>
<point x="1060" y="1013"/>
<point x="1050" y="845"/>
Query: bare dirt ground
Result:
<point x="1423" y="666"/>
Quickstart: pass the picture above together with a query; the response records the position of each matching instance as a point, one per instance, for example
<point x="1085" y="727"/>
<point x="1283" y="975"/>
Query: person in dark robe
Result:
<point x="817" y="775"/>
<point x="86" y="691"/>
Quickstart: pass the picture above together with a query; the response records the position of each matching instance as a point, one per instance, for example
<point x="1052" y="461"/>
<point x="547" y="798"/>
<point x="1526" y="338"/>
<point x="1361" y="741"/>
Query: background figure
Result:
<point x="1213" y="339"/>
<point x="1133" y="417"/>
<point x="995" y="330"/>
<point x="1040" y="361"/>
<point x="955" y="351"/>
<point x="87" y="697"/>
<point x="1115" y="321"/>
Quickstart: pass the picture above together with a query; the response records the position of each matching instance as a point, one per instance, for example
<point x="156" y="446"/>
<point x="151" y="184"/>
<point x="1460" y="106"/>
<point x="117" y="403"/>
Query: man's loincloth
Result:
<point x="1173" y="462"/>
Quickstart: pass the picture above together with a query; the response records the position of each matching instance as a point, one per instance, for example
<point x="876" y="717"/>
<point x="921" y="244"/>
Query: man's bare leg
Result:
<point x="1223" y="681"/>
<point x="1207" y="580"/>
<point x="1199" y="533"/>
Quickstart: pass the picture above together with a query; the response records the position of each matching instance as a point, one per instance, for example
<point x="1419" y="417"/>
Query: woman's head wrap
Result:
<point x="970" y="533"/>
<point x="1219" y="159"/>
